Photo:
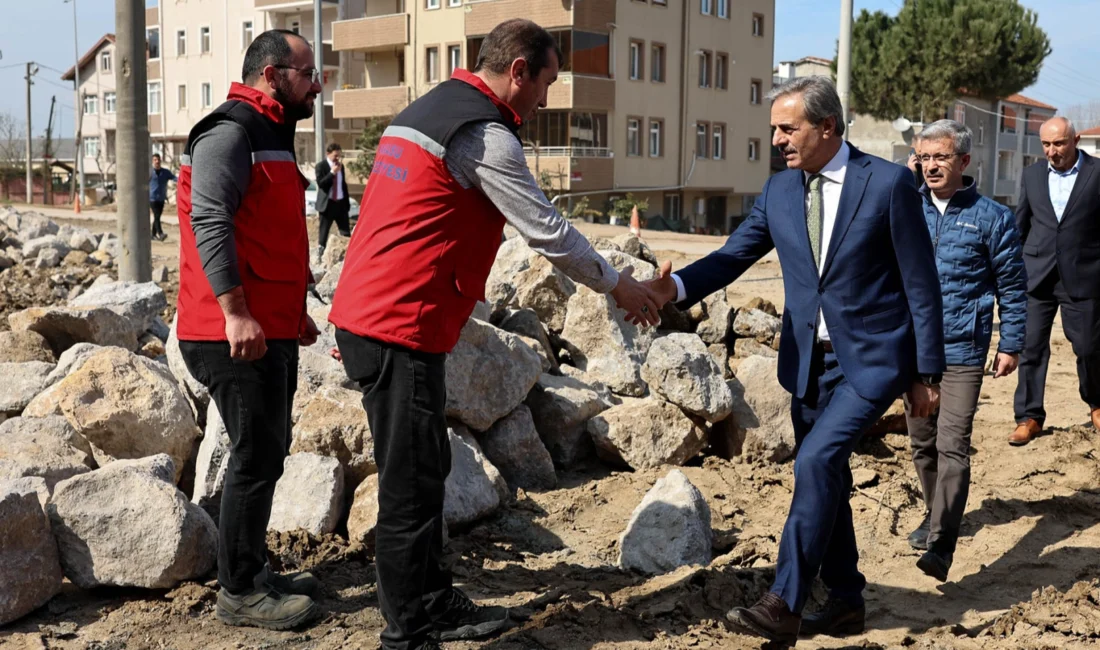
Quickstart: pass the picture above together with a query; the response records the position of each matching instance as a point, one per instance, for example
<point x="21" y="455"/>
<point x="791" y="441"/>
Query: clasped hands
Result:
<point x="642" y="300"/>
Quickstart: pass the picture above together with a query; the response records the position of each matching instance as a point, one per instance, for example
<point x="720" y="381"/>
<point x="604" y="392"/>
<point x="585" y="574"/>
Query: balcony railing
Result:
<point x="571" y="152"/>
<point x="374" y="32"/>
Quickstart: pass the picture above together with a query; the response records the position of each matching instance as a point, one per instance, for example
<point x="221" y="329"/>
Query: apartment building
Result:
<point x="1090" y="141"/>
<point x="659" y="98"/>
<point x="1006" y="132"/>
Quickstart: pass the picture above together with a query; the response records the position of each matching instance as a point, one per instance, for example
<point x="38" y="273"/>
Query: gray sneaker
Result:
<point x="302" y="583"/>
<point x="265" y="607"/>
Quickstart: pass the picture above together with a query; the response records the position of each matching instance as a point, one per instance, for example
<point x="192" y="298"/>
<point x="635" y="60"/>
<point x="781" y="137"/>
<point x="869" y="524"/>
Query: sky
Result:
<point x="42" y="31"/>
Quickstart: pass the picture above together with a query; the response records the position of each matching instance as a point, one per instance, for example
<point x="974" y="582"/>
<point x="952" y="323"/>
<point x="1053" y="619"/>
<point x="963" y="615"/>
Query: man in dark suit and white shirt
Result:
<point x="333" y="202"/>
<point x="862" y="324"/>
<point x="1059" y="221"/>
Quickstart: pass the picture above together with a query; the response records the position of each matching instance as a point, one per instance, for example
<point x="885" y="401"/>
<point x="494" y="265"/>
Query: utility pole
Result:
<point x="319" y="102"/>
<point x="47" y="176"/>
<point x="78" y="119"/>
<point x="135" y="260"/>
<point x="844" y="60"/>
<point x="31" y="69"/>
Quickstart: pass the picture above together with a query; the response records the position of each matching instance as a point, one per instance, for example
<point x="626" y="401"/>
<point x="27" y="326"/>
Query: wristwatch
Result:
<point x="931" y="380"/>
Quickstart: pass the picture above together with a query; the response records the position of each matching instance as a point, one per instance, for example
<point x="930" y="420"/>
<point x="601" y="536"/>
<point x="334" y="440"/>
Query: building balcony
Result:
<point x="376" y="32"/>
<point x="370" y="102"/>
<point x="152" y="69"/>
<point x="578" y="173"/>
<point x="1005" y="187"/>
<point x="579" y="92"/>
<point x="1007" y="141"/>
<point x="292" y="6"/>
<point x="482" y="17"/>
<point x="1033" y="146"/>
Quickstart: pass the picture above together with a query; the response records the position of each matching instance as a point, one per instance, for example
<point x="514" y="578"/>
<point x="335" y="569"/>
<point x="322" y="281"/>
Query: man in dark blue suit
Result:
<point x="862" y="325"/>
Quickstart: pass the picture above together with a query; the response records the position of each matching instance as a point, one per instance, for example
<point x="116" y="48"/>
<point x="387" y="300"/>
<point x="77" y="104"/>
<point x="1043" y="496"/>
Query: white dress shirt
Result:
<point x="833" y="173"/>
<point x="338" y="185"/>
<point x="1061" y="185"/>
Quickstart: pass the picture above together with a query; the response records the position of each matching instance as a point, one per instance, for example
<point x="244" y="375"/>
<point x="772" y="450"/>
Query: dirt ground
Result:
<point x="1023" y="575"/>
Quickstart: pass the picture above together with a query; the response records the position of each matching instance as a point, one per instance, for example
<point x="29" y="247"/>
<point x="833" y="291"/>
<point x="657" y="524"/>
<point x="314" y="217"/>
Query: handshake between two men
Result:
<point x="643" y="299"/>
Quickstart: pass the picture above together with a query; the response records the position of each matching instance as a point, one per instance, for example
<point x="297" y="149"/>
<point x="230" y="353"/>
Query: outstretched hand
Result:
<point x="663" y="286"/>
<point x="636" y="298"/>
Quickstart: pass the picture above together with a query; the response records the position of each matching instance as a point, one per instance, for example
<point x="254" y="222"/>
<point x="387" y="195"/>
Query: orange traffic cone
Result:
<point x="76" y="205"/>
<point x="635" y="222"/>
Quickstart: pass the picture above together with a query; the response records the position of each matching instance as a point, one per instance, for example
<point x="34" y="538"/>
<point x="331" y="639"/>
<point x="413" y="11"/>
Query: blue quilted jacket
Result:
<point x="979" y="257"/>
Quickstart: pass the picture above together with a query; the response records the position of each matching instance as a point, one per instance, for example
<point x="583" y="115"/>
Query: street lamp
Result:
<point x="78" y="109"/>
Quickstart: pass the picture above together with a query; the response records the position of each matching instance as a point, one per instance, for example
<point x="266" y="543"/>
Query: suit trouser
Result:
<point x="1081" y="323"/>
<point x="819" y="534"/>
<point x="405" y="395"/>
<point x="941" y="453"/>
<point x="254" y="400"/>
<point x="335" y="213"/>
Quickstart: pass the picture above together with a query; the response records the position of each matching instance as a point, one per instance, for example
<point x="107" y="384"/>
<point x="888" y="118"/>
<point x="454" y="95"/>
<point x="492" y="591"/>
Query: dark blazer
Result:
<point x="325" y="179"/>
<point x="879" y="292"/>
<point x="1073" y="246"/>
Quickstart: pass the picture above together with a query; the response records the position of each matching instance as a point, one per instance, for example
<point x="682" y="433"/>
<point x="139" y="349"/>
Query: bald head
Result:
<point x="1059" y="140"/>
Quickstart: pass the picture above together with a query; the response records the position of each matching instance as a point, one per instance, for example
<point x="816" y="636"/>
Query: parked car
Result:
<point x="311" y="202"/>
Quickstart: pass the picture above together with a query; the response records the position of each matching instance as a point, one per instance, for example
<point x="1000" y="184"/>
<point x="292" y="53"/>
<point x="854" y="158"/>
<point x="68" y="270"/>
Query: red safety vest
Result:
<point x="269" y="228"/>
<point x="424" y="245"/>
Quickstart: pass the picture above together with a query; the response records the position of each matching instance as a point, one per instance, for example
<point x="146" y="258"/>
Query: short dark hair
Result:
<point x="157" y="156"/>
<point x="333" y="146"/>
<point x="513" y="39"/>
<point x="269" y="48"/>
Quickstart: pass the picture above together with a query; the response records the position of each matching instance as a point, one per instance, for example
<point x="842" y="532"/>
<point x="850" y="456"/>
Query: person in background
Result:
<point x="333" y="202"/>
<point x="158" y="194"/>
<point x="980" y="264"/>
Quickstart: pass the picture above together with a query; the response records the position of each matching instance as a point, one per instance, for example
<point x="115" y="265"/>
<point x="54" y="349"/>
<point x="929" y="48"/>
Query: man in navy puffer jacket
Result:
<point x="980" y="261"/>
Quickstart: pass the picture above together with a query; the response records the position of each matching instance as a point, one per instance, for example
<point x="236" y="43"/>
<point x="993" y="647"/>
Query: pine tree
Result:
<point x="367" y="144"/>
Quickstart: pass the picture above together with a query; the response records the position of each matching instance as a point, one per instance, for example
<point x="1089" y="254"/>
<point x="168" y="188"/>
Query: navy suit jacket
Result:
<point x="879" y="292"/>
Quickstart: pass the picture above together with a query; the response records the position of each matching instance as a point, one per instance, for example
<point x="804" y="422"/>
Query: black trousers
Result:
<point x="941" y="453"/>
<point x="157" y="207"/>
<point x="254" y="399"/>
<point x="405" y="395"/>
<point x="1081" y="323"/>
<point x="335" y="213"/>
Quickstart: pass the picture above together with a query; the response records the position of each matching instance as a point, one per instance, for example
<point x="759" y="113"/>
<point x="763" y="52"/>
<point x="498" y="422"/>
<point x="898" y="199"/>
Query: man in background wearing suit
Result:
<point x="333" y="202"/>
<point x="1059" y="221"/>
<point x="862" y="324"/>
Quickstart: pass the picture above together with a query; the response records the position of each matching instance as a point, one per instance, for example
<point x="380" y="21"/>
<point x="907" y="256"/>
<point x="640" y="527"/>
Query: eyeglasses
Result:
<point x="314" y="73"/>
<point x="940" y="158"/>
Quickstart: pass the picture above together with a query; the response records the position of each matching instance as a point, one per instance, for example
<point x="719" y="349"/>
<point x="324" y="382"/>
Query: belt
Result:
<point x="827" y="346"/>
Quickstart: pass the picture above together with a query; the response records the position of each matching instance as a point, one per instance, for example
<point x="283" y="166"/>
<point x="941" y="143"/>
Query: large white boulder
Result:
<point x="560" y="408"/>
<point x="333" y="423"/>
<point x="762" y="410"/>
<point x="670" y="528"/>
<point x="45" y="447"/>
<point x="680" y="369"/>
<point x="513" y="445"/>
<point x="30" y="572"/>
<point x="646" y="433"/>
<point x="489" y="373"/>
<point x="309" y="495"/>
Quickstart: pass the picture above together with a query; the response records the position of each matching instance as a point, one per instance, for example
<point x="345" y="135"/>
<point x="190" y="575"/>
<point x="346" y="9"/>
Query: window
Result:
<point x="979" y="173"/>
<point x="704" y="69"/>
<point x="158" y="148"/>
<point x="1034" y="122"/>
<point x="633" y="143"/>
<point x="754" y="149"/>
<point x="721" y="71"/>
<point x="204" y="40"/>
<point x="758" y="25"/>
<point x="431" y="4"/>
<point x="657" y="62"/>
<point x="91" y="147"/>
<point x="591" y="53"/>
<point x="960" y="113"/>
<point x="723" y="8"/>
<point x="91" y="104"/>
<point x="111" y="141"/>
<point x="296" y="27"/>
<point x="1008" y="120"/>
<point x="706" y="7"/>
<point x="663" y="3"/>
<point x="454" y="55"/>
<point x="718" y="140"/>
<point x="152" y="43"/>
<point x="181" y="42"/>
<point x="181" y="97"/>
<point x="636" y="65"/>
<point x="110" y="103"/>
<point x="981" y="134"/>
<point x="207" y="96"/>
<point x="401" y="67"/>
<point x="105" y="62"/>
<point x="672" y="206"/>
<point x="1005" y="162"/>
<point x="432" y="64"/>
<point x="754" y="92"/>
<point x="246" y="34"/>
<point x="152" y="95"/>
<point x="454" y="3"/>
<point x="656" y="138"/>
<point x="701" y="140"/>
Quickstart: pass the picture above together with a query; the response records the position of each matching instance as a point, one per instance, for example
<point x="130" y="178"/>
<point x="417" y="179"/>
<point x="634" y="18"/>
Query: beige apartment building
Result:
<point x="659" y="98"/>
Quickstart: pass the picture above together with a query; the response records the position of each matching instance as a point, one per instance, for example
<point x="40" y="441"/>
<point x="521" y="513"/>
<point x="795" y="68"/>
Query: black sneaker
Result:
<point x="918" y="539"/>
<point x="935" y="564"/>
<point x="464" y="620"/>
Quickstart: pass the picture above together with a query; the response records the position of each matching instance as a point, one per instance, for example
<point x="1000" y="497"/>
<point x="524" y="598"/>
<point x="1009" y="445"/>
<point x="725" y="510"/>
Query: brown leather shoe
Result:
<point x="836" y="618"/>
<point x="769" y="618"/>
<point x="1027" y="430"/>
<point x="1096" y="418"/>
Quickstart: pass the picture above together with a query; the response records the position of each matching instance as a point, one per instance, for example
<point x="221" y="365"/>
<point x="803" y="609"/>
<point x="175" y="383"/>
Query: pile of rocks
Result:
<point x="113" y="457"/>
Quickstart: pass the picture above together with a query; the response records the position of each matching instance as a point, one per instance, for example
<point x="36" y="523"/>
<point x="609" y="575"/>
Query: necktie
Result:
<point x="815" y="216"/>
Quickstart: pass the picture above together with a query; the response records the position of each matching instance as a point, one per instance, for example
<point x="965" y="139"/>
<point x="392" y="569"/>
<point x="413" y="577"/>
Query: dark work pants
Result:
<point x="405" y="396"/>
<point x="254" y="399"/>
<point x="819" y="534"/>
<point x="941" y="453"/>
<point x="157" y="207"/>
<point x="334" y="213"/>
<point x="1081" y="323"/>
